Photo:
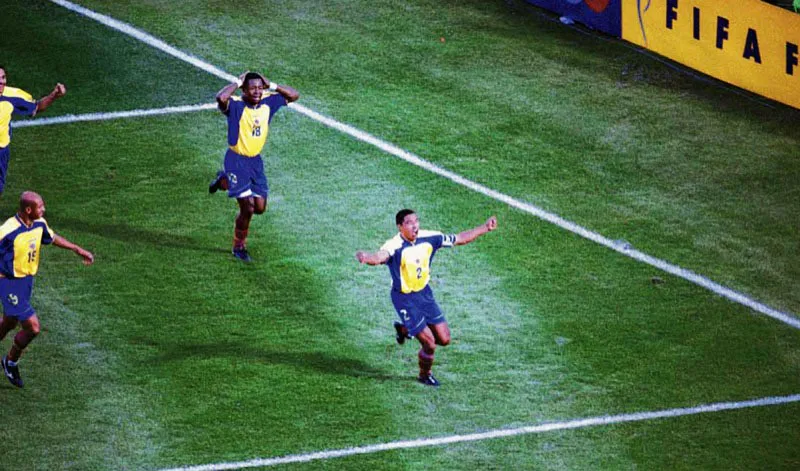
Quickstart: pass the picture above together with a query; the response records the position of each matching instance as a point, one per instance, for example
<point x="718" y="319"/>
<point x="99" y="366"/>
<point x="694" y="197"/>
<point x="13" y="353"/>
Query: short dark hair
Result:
<point x="253" y="76"/>
<point x="3" y="67"/>
<point x="401" y="215"/>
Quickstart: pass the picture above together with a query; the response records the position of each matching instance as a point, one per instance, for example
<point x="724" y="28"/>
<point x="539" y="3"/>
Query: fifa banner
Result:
<point x="603" y="15"/>
<point x="748" y="43"/>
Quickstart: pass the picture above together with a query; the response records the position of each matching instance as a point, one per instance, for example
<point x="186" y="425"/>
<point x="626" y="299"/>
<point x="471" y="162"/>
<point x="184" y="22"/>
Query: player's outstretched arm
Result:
<point x="372" y="258"/>
<point x="463" y="238"/>
<point x="88" y="257"/>
<point x="47" y="100"/>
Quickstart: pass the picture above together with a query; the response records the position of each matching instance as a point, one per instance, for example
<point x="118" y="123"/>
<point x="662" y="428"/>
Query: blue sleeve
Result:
<point x="275" y="102"/>
<point x="23" y="107"/>
<point x="47" y="234"/>
<point x="7" y="258"/>
<point x="234" y="114"/>
<point x="437" y="241"/>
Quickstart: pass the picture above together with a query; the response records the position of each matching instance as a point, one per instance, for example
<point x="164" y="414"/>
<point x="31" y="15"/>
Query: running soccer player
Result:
<point x="243" y="168"/>
<point x="14" y="101"/>
<point x="21" y="237"/>
<point x="409" y="255"/>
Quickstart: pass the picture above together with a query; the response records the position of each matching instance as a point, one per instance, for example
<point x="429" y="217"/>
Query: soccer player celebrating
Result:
<point x="14" y="101"/>
<point x="409" y="255"/>
<point x="21" y="237"/>
<point x="248" y="124"/>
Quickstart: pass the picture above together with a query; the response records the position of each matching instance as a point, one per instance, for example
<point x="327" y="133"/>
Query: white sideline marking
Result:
<point x="71" y="118"/>
<point x="622" y="248"/>
<point x="500" y="433"/>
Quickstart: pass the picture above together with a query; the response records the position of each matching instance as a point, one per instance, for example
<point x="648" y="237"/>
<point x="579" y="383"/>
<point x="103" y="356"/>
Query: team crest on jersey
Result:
<point x="13" y="299"/>
<point x="232" y="178"/>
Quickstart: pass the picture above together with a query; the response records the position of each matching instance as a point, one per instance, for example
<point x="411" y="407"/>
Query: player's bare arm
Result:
<point x="372" y="258"/>
<point x="466" y="237"/>
<point x="88" y="257"/>
<point x="58" y="91"/>
<point x="226" y="92"/>
<point x="288" y="92"/>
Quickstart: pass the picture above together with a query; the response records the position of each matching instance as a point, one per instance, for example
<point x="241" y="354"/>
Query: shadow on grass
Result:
<point x="322" y="362"/>
<point x="134" y="235"/>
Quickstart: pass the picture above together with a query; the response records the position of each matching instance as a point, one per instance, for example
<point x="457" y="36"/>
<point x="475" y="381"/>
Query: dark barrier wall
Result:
<point x="603" y="15"/>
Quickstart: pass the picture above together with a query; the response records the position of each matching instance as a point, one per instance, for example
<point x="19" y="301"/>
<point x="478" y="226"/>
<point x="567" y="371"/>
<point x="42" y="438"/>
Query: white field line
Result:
<point x="622" y="248"/>
<point x="114" y="115"/>
<point x="500" y="433"/>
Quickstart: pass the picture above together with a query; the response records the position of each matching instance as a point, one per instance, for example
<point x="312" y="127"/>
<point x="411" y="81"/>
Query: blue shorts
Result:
<point x="15" y="294"/>
<point x="4" y="156"/>
<point x="246" y="176"/>
<point x="417" y="310"/>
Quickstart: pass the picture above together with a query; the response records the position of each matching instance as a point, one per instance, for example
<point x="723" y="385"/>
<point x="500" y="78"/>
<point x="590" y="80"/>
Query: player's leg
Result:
<point x="425" y="355"/>
<point x="434" y="317"/>
<point x="251" y="169"/>
<point x="259" y="185"/>
<point x="30" y="329"/>
<point x="242" y="227"/>
<point x="237" y="169"/>
<point x="441" y="332"/>
<point x="7" y="324"/>
<point x="408" y="307"/>
<point x="259" y="205"/>
<point x="436" y="326"/>
<point x="15" y="296"/>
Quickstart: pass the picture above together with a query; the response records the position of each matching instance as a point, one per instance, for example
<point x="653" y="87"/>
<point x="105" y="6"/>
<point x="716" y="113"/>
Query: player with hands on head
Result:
<point x="21" y="238"/>
<point x="243" y="174"/>
<point x="18" y="102"/>
<point x="409" y="255"/>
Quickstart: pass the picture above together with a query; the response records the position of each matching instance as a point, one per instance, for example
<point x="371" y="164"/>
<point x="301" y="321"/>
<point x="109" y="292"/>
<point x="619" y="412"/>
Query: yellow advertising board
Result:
<point x="748" y="43"/>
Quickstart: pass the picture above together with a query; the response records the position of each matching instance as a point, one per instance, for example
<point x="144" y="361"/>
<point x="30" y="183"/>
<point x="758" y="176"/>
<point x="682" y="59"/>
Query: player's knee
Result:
<point x="443" y="340"/>
<point x="260" y="205"/>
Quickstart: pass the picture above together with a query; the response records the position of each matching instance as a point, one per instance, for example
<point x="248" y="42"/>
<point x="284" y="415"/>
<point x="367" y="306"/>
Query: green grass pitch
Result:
<point x="169" y="353"/>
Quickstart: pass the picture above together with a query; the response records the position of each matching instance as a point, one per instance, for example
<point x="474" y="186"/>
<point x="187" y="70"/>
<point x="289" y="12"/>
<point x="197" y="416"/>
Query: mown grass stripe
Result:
<point x="502" y="433"/>
<point x="622" y="248"/>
